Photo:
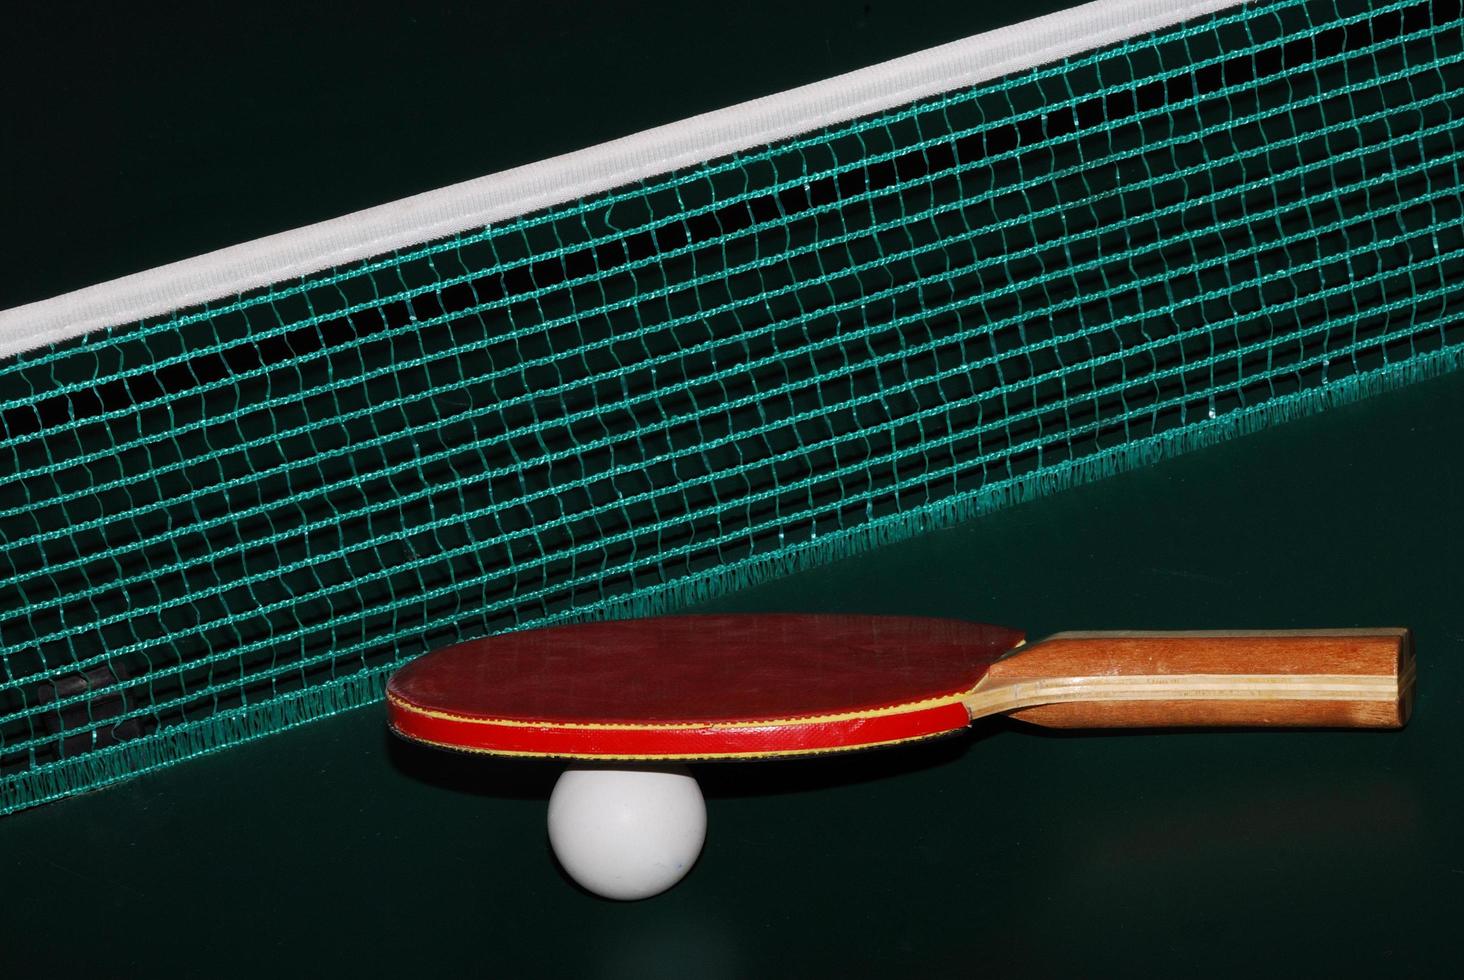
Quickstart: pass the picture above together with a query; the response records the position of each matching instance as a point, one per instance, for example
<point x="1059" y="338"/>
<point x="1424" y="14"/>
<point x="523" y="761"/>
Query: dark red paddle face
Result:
<point x="698" y="686"/>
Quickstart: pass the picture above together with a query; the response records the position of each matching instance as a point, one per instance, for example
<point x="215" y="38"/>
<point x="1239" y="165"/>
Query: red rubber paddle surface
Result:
<point x="698" y="686"/>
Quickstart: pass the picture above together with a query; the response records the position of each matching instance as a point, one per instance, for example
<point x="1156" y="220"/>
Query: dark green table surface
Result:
<point x="333" y="850"/>
<point x="1213" y="854"/>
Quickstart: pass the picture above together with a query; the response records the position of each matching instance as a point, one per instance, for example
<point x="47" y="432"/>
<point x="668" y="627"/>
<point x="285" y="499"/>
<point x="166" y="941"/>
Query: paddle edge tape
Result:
<point x="771" y="738"/>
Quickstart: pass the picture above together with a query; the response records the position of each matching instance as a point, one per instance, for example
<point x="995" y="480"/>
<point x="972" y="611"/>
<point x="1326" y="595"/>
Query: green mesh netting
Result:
<point x="230" y="520"/>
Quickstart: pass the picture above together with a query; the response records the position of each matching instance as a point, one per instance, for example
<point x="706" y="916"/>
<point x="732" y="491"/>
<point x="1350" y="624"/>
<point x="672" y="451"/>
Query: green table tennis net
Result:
<point x="230" y="519"/>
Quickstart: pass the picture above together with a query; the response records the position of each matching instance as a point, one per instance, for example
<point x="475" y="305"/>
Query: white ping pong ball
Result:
<point x="627" y="833"/>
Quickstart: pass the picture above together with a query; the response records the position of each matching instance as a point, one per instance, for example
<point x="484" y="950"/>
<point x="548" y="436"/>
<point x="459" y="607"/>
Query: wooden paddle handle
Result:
<point x="1315" y="678"/>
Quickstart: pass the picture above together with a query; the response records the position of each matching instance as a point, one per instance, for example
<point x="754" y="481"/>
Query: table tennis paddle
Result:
<point x="756" y="686"/>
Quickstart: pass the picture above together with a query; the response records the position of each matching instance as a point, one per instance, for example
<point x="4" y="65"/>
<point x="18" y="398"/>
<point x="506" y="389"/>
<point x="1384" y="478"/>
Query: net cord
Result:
<point x="523" y="190"/>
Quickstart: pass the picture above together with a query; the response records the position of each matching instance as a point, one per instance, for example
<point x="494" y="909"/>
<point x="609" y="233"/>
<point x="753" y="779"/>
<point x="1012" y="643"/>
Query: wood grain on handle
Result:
<point x="1306" y="678"/>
